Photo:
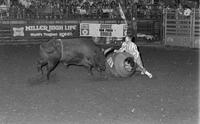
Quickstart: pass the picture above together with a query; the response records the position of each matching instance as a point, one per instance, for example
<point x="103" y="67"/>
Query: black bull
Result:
<point x="82" y="52"/>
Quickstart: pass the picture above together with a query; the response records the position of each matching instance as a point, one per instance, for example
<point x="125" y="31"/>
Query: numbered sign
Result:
<point x="103" y="30"/>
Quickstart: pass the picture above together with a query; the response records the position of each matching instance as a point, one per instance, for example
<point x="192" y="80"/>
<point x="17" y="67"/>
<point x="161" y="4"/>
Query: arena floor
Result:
<point x="74" y="97"/>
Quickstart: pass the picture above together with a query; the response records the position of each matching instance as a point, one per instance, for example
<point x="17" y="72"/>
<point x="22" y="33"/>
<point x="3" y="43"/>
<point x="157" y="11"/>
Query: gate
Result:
<point x="196" y="29"/>
<point x="182" y="30"/>
<point x="149" y="23"/>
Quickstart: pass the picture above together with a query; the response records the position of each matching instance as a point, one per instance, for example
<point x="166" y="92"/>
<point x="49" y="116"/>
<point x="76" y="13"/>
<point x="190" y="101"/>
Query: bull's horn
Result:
<point x="106" y="51"/>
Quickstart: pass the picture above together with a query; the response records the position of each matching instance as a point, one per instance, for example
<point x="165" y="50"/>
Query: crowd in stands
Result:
<point x="59" y="9"/>
<point x="69" y="9"/>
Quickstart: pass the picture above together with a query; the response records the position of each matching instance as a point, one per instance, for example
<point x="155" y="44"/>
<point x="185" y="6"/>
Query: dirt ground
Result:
<point x="74" y="97"/>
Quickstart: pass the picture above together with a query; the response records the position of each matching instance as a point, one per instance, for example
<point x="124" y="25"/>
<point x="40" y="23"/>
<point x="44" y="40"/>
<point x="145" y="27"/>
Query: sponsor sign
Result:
<point x="103" y="30"/>
<point x="18" y="31"/>
<point x="44" y="30"/>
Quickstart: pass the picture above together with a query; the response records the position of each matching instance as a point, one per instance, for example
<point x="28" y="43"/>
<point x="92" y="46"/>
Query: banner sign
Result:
<point x="44" y="30"/>
<point x="103" y="30"/>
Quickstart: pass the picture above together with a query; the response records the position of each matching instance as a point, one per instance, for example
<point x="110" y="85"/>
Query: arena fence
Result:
<point x="40" y="22"/>
<point x="149" y="24"/>
<point x="149" y="30"/>
<point x="182" y="30"/>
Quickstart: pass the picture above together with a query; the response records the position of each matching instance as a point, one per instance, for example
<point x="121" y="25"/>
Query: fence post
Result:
<point x="164" y="25"/>
<point x="193" y="28"/>
<point x="162" y="28"/>
<point x="192" y="24"/>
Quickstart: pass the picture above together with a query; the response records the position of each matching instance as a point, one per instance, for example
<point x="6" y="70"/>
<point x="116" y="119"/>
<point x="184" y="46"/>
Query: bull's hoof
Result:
<point x="90" y="74"/>
<point x="105" y="77"/>
<point x="51" y="79"/>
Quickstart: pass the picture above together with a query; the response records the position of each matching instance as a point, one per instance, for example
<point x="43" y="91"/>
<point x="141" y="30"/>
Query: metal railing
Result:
<point x="181" y="30"/>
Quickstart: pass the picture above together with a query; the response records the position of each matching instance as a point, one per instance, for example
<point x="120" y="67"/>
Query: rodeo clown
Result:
<point x="131" y="48"/>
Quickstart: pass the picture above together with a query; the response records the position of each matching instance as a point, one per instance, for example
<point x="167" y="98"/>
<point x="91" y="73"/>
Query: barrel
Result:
<point x="118" y="64"/>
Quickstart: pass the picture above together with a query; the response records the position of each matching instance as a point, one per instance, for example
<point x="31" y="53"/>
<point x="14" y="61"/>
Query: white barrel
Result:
<point x="116" y="64"/>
